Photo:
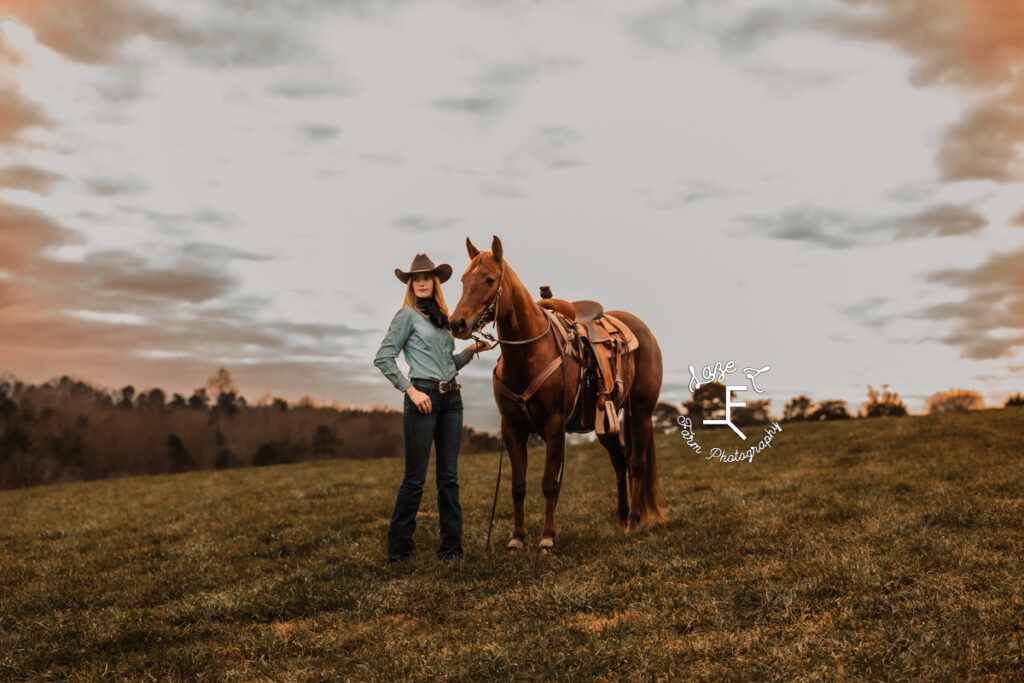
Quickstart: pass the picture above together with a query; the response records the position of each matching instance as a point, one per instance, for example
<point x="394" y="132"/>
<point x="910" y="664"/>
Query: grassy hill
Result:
<point x="876" y="548"/>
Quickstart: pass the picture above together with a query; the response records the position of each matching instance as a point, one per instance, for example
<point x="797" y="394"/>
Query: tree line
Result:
<point x="708" y="402"/>
<point x="71" y="430"/>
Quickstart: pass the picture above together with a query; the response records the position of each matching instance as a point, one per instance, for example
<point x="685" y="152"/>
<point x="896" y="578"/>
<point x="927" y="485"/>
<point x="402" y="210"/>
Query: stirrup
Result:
<point x="609" y="414"/>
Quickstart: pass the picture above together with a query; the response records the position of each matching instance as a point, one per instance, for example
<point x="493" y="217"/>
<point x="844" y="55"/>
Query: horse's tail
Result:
<point x="652" y="505"/>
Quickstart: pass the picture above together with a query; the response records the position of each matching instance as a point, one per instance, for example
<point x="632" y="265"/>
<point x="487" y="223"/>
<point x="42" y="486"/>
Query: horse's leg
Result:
<point x="619" y="462"/>
<point x="554" y="439"/>
<point x="515" y="441"/>
<point x="640" y="433"/>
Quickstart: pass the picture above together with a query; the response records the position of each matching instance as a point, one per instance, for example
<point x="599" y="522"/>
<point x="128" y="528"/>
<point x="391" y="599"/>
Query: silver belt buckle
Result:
<point x="445" y="387"/>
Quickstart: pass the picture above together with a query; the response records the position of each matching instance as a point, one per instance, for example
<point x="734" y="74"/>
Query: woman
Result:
<point x="433" y="406"/>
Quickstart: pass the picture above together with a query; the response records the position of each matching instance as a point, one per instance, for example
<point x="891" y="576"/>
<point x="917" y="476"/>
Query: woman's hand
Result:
<point x="479" y="346"/>
<point x="421" y="400"/>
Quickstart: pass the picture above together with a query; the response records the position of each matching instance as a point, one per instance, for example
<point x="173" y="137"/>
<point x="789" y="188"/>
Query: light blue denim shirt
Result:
<point x="429" y="350"/>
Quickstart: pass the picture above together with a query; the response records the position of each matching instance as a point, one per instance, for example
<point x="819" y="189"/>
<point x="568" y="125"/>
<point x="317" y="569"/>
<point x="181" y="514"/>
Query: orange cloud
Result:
<point x="973" y="45"/>
<point x="25" y="232"/>
<point x="994" y="301"/>
<point x="28" y="178"/>
<point x="93" y="31"/>
<point x="16" y="113"/>
<point x="1018" y="219"/>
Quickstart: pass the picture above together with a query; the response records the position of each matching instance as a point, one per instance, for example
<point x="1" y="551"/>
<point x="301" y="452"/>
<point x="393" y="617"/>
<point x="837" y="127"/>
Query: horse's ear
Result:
<point x="473" y="251"/>
<point x="496" y="249"/>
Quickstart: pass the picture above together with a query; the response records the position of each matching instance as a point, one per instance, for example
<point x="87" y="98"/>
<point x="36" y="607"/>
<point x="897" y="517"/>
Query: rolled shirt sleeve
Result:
<point x="397" y="334"/>
<point x="461" y="358"/>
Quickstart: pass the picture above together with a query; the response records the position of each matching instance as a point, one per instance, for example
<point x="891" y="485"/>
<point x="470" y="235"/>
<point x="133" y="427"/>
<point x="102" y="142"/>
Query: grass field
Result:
<point x="878" y="549"/>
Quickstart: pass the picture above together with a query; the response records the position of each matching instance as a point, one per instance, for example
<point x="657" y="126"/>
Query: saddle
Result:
<point x="604" y="342"/>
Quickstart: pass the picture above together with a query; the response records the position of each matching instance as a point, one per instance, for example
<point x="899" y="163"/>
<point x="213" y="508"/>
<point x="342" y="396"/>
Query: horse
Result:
<point x="493" y="292"/>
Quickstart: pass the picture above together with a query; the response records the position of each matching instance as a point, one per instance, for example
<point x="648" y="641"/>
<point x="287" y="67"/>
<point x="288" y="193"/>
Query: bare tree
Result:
<point x="220" y="383"/>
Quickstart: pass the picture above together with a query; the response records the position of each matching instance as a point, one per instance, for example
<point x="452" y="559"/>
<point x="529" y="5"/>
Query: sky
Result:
<point x="832" y="189"/>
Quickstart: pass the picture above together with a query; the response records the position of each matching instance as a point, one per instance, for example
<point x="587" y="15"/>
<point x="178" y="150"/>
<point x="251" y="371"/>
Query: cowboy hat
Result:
<point x="423" y="264"/>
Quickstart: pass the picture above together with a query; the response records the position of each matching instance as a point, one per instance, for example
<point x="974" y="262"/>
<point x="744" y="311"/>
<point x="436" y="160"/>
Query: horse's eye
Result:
<point x="490" y="280"/>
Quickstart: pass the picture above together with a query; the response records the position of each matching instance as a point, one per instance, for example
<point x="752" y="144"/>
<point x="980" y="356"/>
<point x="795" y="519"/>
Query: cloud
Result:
<point x="522" y="71"/>
<point x="423" y="223"/>
<point x="805" y="224"/>
<point x="25" y="233"/>
<point x="683" y="26"/>
<point x="483" y="105"/>
<point x="122" y="87"/>
<point x="983" y="143"/>
<point x="973" y="45"/>
<point x="760" y="25"/>
<point x="304" y="88"/>
<point x="198" y="273"/>
<point x="385" y="159"/>
<point x="941" y="220"/>
<point x="545" y="147"/>
<point x="787" y="81"/>
<point x="104" y="280"/>
<point x="839" y="231"/>
<point x="674" y="26"/>
<point x="994" y="302"/>
<point x="687" y="191"/>
<point x="866" y="313"/>
<point x="30" y="178"/>
<point x="497" y="83"/>
<point x="94" y="32"/>
<point x="177" y="224"/>
<point x="111" y="187"/>
<point x="205" y="252"/>
<point x="1018" y="219"/>
<point x="964" y="42"/>
<point x="863" y="307"/>
<point x="122" y="272"/>
<point x="209" y="333"/>
<point x="499" y="190"/>
<point x="913" y="190"/>
<point x="318" y="131"/>
<point x="17" y="113"/>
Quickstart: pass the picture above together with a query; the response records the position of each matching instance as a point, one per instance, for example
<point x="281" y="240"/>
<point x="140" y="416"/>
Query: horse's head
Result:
<point x="480" y="285"/>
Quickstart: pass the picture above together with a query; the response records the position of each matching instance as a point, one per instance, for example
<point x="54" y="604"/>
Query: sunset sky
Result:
<point x="834" y="189"/>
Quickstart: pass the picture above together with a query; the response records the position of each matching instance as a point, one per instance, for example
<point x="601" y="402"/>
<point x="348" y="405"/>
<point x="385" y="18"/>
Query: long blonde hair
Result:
<point x="410" y="294"/>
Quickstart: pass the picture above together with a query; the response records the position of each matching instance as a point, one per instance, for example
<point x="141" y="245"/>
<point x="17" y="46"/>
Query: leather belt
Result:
<point x="442" y="386"/>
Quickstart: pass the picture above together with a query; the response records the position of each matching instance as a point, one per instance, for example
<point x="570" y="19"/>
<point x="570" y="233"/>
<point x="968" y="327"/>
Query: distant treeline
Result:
<point x="708" y="402"/>
<point x="69" y="430"/>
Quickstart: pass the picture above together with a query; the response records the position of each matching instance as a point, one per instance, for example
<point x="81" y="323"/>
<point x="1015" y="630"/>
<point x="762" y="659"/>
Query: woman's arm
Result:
<point x="398" y="333"/>
<point x="467" y="353"/>
<point x="462" y="357"/>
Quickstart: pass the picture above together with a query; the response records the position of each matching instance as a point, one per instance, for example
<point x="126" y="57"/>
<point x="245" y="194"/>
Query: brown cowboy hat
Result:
<point x="423" y="264"/>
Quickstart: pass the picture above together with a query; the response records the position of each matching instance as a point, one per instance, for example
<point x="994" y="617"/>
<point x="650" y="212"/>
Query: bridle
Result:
<point x="491" y="315"/>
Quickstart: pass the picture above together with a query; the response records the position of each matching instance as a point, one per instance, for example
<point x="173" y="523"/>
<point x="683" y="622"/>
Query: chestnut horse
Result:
<point x="491" y="291"/>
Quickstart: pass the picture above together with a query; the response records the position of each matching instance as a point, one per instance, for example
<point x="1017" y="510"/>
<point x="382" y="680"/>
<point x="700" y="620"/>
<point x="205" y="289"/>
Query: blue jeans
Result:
<point x="442" y="426"/>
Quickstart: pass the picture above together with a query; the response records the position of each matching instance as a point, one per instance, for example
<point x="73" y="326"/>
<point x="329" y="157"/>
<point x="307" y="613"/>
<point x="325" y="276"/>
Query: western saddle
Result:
<point x="603" y="344"/>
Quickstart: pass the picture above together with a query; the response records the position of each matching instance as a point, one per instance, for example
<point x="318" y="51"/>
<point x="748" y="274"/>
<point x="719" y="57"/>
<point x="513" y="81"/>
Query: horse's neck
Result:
<point x="523" y="319"/>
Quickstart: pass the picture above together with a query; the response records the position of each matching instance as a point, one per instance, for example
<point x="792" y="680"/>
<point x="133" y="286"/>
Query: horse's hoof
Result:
<point x="515" y="544"/>
<point x="547" y="546"/>
<point x="631" y="527"/>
